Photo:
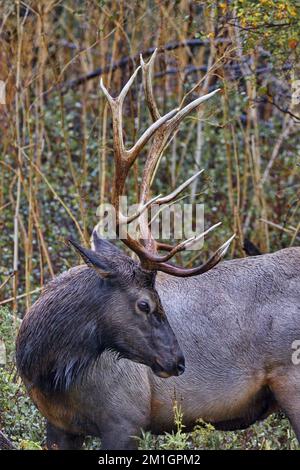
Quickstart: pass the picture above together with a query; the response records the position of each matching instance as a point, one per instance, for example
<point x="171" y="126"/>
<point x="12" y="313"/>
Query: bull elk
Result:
<point x="236" y="324"/>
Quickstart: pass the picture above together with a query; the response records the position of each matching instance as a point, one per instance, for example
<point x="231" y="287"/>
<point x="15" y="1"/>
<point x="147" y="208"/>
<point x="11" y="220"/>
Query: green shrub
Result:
<point x="19" y="418"/>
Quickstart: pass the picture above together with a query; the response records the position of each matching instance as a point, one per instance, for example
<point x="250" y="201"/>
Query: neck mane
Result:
<point x="60" y="338"/>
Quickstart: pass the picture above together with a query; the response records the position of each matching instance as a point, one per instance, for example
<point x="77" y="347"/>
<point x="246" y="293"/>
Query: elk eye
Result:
<point x="144" y="306"/>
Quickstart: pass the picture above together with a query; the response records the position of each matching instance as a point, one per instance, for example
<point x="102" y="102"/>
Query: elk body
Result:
<point x="235" y="321"/>
<point x="236" y="325"/>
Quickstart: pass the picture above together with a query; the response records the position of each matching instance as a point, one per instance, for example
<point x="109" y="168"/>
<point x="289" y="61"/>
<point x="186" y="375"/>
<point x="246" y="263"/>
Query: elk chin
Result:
<point x="173" y="367"/>
<point x="164" y="373"/>
<point x="156" y="369"/>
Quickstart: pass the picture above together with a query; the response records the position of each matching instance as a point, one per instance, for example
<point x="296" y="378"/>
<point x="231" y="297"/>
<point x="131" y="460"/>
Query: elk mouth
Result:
<point x="175" y="369"/>
<point x="170" y="369"/>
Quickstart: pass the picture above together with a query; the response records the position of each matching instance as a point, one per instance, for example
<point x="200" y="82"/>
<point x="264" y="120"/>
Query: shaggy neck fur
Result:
<point x="61" y="334"/>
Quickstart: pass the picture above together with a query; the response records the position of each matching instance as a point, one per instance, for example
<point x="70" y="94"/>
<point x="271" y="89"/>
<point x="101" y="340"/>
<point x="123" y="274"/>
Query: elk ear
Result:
<point x="104" y="247"/>
<point x="92" y="259"/>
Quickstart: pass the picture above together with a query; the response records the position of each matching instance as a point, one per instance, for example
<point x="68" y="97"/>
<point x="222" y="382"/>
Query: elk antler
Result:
<point x="161" y="131"/>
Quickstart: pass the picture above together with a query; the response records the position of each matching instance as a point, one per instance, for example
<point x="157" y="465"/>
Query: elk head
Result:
<point x="132" y="321"/>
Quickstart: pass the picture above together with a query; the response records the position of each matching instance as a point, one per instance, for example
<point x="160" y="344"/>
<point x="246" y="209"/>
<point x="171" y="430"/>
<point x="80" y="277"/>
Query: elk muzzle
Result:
<point x="174" y="366"/>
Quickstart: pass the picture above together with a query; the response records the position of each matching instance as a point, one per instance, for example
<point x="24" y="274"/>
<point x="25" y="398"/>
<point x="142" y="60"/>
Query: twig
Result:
<point x="273" y="103"/>
<point x="287" y="126"/>
<point x="280" y="227"/>
<point x="6" y="280"/>
<point x="257" y="29"/>
<point x="56" y="195"/>
<point x="21" y="296"/>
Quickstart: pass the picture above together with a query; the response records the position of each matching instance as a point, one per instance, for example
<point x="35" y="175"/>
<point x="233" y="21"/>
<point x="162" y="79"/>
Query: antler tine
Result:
<point x="119" y="99"/>
<point x="170" y="197"/>
<point x="109" y="98"/>
<point x="147" y="69"/>
<point x="126" y="87"/>
<point x="124" y="159"/>
<point x="190" y="242"/>
<point x="184" y="245"/>
<point x="116" y="105"/>
<point x="158" y="262"/>
<point x="182" y="113"/>
<point x="142" y="141"/>
<point x="138" y="213"/>
<point x="116" y="108"/>
<point x="187" y="272"/>
<point x="162" y="137"/>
